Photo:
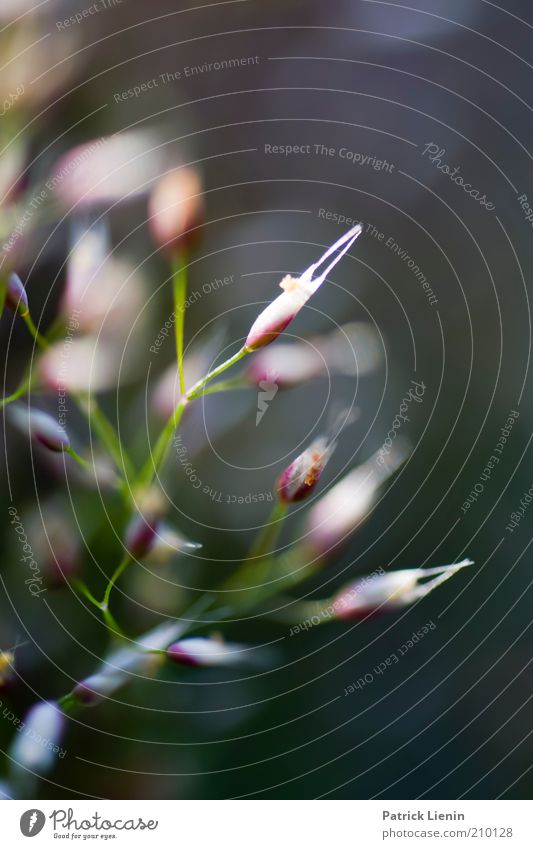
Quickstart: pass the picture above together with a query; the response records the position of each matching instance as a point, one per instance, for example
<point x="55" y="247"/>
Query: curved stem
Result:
<point x="39" y="338"/>
<point x="123" y="565"/>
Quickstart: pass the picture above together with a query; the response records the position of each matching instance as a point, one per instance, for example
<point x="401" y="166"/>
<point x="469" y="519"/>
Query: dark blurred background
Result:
<point x="377" y="79"/>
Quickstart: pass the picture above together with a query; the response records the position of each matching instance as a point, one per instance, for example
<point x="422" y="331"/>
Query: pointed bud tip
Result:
<point x="16" y="297"/>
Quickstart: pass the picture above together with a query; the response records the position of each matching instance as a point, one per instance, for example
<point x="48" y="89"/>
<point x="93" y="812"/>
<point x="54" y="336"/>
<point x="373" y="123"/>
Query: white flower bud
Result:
<point x="208" y="652"/>
<point x="296" y="292"/>
<point x="43" y="730"/>
<point x="386" y="592"/>
<point x="40" y="426"/>
<point x="352" y="349"/>
<point x="337" y="514"/>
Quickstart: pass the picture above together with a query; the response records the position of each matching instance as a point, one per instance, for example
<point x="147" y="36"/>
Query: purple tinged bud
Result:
<point x="296" y="292"/>
<point x="302" y="475"/>
<point x="141" y="534"/>
<point x="16" y="298"/>
<point x="148" y="537"/>
<point x="40" y="426"/>
<point x="391" y="590"/>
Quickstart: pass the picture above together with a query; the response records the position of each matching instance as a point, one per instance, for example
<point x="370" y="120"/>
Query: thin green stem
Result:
<point x="39" y="338"/>
<point x="158" y="455"/>
<point x="238" y="382"/>
<point x="121" y="568"/>
<point x="112" y="625"/>
<point x="179" y="286"/>
<point x="265" y="541"/>
<point x="193" y="392"/>
<point x="81" y="462"/>
<point x="23" y="389"/>
<point x="106" y="433"/>
<point x="82" y="587"/>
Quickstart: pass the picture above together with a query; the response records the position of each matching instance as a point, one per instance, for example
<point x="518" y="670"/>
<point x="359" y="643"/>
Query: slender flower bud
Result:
<point x="338" y="513"/>
<point x="126" y="664"/>
<point x="352" y="349"/>
<point x="147" y="536"/>
<point x="296" y="292"/>
<point x="40" y="426"/>
<point x="208" y="651"/>
<point x="141" y="534"/>
<point x="302" y="475"/>
<point x="33" y="748"/>
<point x="391" y="591"/>
<point x="176" y="208"/>
<point x="7" y="659"/>
<point x="16" y="297"/>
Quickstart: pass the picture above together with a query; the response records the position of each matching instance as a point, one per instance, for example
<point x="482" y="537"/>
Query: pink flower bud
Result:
<point x="337" y="514"/>
<point x="207" y="651"/>
<point x="44" y="727"/>
<point x="89" y="364"/>
<point x="353" y="349"/>
<point x="141" y="535"/>
<point x="176" y="208"/>
<point x="39" y="426"/>
<point x="16" y="298"/>
<point x="302" y="475"/>
<point x="296" y="292"/>
<point x="391" y="591"/>
<point x="148" y="537"/>
<point x="108" y="170"/>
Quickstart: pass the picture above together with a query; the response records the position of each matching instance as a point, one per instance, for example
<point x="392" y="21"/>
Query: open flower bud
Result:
<point x="296" y="292"/>
<point x="176" y="208"/>
<point x="302" y="475"/>
<point x="40" y="426"/>
<point x="16" y="298"/>
<point x="208" y="651"/>
<point x="337" y="514"/>
<point x="390" y="591"/>
<point x="36" y="746"/>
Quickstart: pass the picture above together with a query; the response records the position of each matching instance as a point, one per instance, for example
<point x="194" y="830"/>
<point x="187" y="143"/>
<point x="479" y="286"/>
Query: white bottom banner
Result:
<point x="262" y="824"/>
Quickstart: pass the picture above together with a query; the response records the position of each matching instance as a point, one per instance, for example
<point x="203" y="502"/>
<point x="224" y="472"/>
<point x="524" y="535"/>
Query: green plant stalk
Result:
<point x="179" y="288"/>
<point x="121" y="568"/>
<point x="106" y="433"/>
<point x="23" y="389"/>
<point x="41" y="341"/>
<point x="158" y="455"/>
<point x="266" y="538"/>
